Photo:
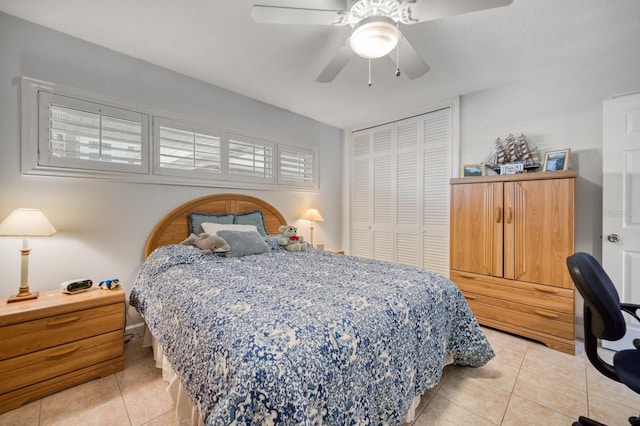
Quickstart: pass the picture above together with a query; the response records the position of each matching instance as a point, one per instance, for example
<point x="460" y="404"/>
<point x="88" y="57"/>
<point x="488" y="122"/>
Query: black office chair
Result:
<point x="603" y="320"/>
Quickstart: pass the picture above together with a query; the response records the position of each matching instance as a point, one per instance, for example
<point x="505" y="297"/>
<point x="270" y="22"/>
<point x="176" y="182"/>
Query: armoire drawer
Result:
<point x="26" y="337"/>
<point x="536" y="295"/>
<point x="38" y="366"/>
<point x="534" y="318"/>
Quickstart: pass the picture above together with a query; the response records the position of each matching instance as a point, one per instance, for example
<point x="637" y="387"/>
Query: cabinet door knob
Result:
<point x="498" y="214"/>
<point x="509" y="215"/>
<point x="614" y="238"/>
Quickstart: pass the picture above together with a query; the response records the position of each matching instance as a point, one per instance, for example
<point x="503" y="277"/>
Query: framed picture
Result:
<point x="557" y="160"/>
<point x="472" y="170"/>
<point x="511" y="169"/>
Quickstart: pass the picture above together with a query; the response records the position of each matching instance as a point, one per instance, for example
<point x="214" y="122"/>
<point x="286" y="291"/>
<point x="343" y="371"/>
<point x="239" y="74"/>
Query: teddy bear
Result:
<point x="290" y="239"/>
<point x="207" y="243"/>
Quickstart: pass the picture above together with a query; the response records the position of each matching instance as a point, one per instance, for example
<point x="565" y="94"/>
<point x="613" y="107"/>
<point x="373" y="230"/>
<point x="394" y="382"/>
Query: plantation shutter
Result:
<point x="88" y="135"/>
<point x="250" y="158"/>
<point x="184" y="150"/>
<point x="296" y="166"/>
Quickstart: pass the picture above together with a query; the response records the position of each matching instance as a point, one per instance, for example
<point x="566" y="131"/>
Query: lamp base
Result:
<point x="19" y="298"/>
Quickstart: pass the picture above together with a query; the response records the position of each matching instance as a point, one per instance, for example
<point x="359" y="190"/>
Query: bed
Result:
<point x="294" y="337"/>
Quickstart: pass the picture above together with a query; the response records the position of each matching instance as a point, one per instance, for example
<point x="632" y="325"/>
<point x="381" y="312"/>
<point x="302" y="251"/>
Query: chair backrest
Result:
<point x="600" y="296"/>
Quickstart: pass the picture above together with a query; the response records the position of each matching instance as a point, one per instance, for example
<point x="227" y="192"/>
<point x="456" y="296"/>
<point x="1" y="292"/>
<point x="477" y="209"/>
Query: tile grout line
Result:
<point x="124" y="402"/>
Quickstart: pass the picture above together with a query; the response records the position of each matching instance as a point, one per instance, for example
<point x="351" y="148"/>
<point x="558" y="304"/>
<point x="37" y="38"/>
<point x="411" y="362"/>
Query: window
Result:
<point x="186" y="151"/>
<point x="250" y="158"/>
<point x="68" y="132"/>
<point x="296" y="166"/>
<point x="87" y="135"/>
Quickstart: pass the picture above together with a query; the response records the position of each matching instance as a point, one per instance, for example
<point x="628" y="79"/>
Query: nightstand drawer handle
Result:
<point x="60" y="321"/>
<point x="463" y="275"/>
<point x="469" y="297"/>
<point x="546" y="314"/>
<point x="546" y="290"/>
<point x="62" y="352"/>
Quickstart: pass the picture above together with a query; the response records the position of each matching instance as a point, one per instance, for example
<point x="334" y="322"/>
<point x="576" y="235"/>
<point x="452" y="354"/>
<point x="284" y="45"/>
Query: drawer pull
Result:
<point x="545" y="290"/>
<point x="463" y="275"/>
<point x="546" y="314"/>
<point x="470" y="297"/>
<point x="62" y="352"/>
<point x="60" y="321"/>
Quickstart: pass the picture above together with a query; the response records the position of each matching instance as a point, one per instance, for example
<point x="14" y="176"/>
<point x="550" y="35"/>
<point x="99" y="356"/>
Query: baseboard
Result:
<point x="137" y="329"/>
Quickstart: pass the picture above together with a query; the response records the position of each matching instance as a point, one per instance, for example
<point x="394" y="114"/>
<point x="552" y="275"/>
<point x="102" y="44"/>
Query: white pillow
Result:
<point x="213" y="228"/>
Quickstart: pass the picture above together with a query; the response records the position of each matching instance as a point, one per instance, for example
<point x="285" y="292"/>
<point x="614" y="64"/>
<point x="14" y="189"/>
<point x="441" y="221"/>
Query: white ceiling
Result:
<point x="216" y="41"/>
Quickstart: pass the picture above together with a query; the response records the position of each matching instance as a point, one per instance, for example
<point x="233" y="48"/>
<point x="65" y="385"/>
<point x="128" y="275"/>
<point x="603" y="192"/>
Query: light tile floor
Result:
<point x="525" y="384"/>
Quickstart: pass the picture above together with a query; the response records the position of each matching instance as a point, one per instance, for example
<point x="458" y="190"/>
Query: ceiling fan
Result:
<point x="375" y="28"/>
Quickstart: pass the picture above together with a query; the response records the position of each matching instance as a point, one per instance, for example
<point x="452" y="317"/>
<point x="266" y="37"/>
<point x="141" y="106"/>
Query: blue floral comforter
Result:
<point x="303" y="337"/>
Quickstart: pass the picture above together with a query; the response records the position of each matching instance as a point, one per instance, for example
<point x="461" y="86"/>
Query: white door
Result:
<point x="621" y="203"/>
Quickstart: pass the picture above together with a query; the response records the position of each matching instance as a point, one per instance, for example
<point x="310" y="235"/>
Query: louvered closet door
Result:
<point x="401" y="171"/>
<point x="408" y="188"/>
<point x="382" y="194"/>
<point x="436" y="161"/>
<point x="361" y="239"/>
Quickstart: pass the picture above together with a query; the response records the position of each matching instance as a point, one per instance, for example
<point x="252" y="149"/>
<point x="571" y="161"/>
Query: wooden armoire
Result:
<point x="510" y="237"/>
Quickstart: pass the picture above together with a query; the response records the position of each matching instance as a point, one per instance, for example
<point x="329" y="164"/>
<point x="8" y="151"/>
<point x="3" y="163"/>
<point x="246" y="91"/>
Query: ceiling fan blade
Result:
<point x="411" y="62"/>
<point x="292" y="15"/>
<point x="335" y="65"/>
<point x="427" y="10"/>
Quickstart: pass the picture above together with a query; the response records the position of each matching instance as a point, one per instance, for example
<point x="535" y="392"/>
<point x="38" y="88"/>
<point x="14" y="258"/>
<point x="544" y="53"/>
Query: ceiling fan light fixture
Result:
<point x="374" y="37"/>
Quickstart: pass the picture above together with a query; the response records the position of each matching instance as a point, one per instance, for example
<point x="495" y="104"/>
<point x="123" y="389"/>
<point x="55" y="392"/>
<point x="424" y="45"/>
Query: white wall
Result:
<point x="103" y="226"/>
<point x="556" y="110"/>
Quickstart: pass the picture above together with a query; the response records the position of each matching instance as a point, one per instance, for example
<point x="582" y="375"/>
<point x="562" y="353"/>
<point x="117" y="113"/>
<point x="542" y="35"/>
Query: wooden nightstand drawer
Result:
<point x="23" y="338"/>
<point x="58" y="340"/>
<point x="38" y="366"/>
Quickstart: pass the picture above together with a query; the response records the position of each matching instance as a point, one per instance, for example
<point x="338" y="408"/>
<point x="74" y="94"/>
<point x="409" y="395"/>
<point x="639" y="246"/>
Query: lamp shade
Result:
<point x="27" y="223"/>
<point x="313" y="214"/>
<point x="374" y="37"/>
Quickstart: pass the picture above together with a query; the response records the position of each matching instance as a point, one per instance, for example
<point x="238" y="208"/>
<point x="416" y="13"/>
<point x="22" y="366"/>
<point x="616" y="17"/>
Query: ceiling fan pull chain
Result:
<point x="398" y="58"/>
<point x="370" y="83"/>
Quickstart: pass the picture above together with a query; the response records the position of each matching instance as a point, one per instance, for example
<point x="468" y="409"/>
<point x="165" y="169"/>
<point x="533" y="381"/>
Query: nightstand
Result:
<point x="58" y="340"/>
<point x="332" y="250"/>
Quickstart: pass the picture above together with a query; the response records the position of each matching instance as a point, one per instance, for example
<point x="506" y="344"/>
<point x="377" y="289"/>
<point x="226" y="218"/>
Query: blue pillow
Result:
<point x="243" y="243"/>
<point x="197" y="219"/>
<point x="252" y="218"/>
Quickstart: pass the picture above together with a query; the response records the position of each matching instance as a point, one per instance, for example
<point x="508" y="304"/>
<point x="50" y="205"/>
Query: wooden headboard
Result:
<point x="174" y="227"/>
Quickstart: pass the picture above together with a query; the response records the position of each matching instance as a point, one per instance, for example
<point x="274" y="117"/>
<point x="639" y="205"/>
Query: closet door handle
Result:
<point x="498" y="213"/>
<point x="549" y="315"/>
<point x="509" y="215"/>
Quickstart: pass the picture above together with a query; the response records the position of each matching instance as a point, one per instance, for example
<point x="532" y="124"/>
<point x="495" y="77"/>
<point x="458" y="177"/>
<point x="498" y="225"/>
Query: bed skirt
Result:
<point x="187" y="413"/>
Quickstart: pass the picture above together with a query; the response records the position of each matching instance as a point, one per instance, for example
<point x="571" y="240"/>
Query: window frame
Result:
<point x="151" y="171"/>
<point x="46" y="99"/>
<point x="186" y="127"/>
<point x="282" y="180"/>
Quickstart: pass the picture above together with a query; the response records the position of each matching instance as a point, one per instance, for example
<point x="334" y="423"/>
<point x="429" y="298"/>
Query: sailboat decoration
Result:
<point x="513" y="150"/>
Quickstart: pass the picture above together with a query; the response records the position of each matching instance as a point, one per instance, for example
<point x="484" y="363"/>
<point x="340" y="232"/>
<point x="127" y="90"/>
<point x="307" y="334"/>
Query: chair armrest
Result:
<point x="631" y="309"/>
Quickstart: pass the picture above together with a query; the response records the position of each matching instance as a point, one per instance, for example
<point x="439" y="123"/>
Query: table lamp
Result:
<point x="26" y="223"/>
<point x="312" y="215"/>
